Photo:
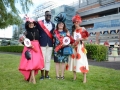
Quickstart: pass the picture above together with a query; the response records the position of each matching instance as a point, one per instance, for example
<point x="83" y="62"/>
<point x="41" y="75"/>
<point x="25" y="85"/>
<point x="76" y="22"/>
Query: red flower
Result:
<point x="83" y="69"/>
<point x="76" y="49"/>
<point x="72" y="56"/>
<point x="78" y="56"/>
<point x="84" y="34"/>
<point x="83" y="49"/>
<point x="79" y="30"/>
<point x="67" y="66"/>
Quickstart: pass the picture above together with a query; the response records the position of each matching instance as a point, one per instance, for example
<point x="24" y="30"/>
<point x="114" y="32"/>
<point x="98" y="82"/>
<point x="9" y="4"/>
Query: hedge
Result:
<point x="94" y="52"/>
<point x="17" y="49"/>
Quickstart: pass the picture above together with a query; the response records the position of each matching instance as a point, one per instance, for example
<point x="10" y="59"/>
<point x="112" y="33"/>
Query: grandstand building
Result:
<point x="101" y="18"/>
<point x="39" y="12"/>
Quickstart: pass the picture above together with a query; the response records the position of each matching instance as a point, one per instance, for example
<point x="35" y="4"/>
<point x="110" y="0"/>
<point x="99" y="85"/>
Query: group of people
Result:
<point x="47" y="39"/>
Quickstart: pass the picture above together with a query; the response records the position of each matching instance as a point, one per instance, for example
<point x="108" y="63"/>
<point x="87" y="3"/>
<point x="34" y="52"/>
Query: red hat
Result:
<point x="76" y="18"/>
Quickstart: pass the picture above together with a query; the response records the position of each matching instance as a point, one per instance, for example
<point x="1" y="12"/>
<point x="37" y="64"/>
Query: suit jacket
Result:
<point x="44" y="38"/>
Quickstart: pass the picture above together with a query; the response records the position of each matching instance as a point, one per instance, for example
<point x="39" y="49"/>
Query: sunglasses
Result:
<point x="48" y="15"/>
<point x="31" y="23"/>
<point x="76" y="22"/>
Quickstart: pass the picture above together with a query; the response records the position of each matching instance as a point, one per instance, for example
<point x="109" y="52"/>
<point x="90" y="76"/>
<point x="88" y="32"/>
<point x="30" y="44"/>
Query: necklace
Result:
<point x="33" y="34"/>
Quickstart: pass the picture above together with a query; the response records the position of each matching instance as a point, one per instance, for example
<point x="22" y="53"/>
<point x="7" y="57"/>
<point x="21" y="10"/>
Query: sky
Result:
<point x="8" y="32"/>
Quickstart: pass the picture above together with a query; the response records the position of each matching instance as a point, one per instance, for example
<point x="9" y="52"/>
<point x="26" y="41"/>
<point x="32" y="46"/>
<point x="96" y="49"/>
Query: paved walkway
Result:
<point x="111" y="63"/>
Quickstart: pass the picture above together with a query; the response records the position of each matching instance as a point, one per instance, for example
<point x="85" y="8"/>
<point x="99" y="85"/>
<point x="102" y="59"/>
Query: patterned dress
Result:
<point x="58" y="56"/>
<point x="78" y="60"/>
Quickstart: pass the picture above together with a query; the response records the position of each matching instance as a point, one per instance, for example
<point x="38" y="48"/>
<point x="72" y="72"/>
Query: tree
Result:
<point x="15" y="34"/>
<point x="20" y="29"/>
<point x="9" y="14"/>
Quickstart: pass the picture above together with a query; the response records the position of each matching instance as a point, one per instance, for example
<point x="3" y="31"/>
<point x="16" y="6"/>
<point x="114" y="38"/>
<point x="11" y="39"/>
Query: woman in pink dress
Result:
<point x="78" y="60"/>
<point x="29" y="66"/>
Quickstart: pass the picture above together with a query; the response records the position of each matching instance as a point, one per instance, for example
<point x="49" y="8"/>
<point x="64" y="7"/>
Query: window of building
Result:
<point x="105" y="32"/>
<point x="113" y="32"/>
<point x="82" y="1"/>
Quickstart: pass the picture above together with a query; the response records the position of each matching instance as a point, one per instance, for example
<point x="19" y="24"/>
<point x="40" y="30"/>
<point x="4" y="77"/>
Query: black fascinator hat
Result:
<point x="61" y="17"/>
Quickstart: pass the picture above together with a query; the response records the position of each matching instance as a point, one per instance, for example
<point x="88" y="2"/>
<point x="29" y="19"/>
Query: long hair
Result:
<point x="73" y="29"/>
<point x="64" y="28"/>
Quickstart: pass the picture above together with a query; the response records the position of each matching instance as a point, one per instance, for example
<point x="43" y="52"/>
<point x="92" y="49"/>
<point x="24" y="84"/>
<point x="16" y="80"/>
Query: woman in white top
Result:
<point x="115" y="50"/>
<point x="78" y="60"/>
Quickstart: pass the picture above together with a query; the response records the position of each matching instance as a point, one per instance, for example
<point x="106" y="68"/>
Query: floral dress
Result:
<point x="78" y="60"/>
<point x="58" y="56"/>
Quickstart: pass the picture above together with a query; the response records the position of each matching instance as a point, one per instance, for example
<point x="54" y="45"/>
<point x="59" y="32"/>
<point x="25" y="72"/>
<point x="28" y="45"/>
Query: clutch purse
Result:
<point x="67" y="50"/>
<point x="27" y="55"/>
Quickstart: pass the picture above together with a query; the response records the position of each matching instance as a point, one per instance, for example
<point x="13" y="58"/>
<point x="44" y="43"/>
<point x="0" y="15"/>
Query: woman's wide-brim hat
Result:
<point x="61" y="17"/>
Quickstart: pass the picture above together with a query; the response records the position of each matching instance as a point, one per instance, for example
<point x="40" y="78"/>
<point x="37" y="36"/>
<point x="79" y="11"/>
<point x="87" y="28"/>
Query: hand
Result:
<point x="63" y="45"/>
<point x="31" y="46"/>
<point x="68" y="33"/>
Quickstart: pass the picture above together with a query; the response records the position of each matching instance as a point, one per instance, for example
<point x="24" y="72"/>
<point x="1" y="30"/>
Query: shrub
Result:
<point x="17" y="49"/>
<point x="96" y="52"/>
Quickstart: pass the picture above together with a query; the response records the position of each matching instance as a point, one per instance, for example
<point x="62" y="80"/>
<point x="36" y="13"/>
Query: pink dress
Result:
<point x="35" y="63"/>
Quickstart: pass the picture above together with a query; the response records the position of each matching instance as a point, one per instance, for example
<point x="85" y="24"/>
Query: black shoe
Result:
<point x="47" y="77"/>
<point x="42" y="77"/>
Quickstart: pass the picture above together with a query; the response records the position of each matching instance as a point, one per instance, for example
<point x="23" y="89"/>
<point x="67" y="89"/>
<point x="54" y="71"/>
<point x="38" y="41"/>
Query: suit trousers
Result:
<point x="47" y="53"/>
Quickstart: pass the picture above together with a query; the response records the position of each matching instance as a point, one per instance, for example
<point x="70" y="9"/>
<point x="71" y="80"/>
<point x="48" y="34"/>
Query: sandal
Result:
<point x="62" y="77"/>
<point x="57" y="77"/>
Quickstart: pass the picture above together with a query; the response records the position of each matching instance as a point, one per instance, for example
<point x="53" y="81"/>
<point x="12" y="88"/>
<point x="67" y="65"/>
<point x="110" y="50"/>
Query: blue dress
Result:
<point x="58" y="56"/>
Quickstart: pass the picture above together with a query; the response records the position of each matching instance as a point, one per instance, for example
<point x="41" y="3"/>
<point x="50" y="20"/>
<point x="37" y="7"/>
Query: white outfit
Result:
<point x="48" y="25"/>
<point x="47" y="51"/>
<point x="115" y="51"/>
<point x="78" y="61"/>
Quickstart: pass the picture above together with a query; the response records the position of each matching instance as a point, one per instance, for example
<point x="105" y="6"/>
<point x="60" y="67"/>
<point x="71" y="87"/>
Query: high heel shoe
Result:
<point x="57" y="77"/>
<point x="62" y="77"/>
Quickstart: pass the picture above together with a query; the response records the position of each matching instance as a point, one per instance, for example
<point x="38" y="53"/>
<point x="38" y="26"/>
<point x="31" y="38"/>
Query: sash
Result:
<point x="60" y="38"/>
<point x="45" y="29"/>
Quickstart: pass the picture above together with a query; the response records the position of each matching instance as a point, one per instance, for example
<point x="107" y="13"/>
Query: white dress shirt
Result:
<point x="48" y="25"/>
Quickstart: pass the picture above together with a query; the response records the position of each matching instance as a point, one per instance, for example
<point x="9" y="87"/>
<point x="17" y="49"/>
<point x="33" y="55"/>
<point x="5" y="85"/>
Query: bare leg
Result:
<point x="114" y="58"/>
<point x="57" y="66"/>
<point x="84" y="75"/>
<point x="62" y="70"/>
<point x="74" y="73"/>
<point x="32" y="77"/>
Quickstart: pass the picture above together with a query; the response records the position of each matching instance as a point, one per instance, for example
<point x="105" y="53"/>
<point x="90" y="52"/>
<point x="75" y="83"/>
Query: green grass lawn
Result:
<point x="98" y="78"/>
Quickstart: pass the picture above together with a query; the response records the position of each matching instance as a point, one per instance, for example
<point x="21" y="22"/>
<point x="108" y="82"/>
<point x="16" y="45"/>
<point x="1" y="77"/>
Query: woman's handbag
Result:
<point x="67" y="50"/>
<point x="27" y="54"/>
